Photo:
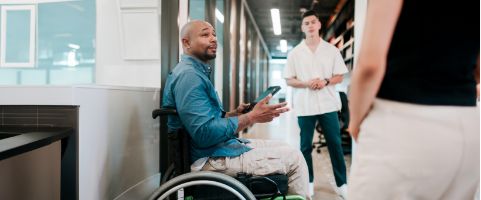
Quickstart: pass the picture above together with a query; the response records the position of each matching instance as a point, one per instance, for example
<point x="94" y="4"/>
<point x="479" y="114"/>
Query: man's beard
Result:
<point x="208" y="56"/>
<point x="205" y="56"/>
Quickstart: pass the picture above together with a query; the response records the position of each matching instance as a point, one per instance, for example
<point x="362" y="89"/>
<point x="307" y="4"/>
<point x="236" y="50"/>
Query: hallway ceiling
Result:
<point x="290" y="12"/>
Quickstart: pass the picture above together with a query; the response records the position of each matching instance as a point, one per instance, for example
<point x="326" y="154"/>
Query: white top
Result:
<point x="305" y="65"/>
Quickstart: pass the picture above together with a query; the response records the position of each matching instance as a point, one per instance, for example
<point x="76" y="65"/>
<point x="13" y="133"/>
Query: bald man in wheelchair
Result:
<point x="214" y="145"/>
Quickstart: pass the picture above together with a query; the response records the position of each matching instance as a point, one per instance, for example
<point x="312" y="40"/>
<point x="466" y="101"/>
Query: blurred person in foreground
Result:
<point x="413" y="102"/>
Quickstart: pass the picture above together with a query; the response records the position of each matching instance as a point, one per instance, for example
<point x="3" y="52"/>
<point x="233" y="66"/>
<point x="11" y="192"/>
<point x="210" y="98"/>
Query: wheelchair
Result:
<point x="179" y="183"/>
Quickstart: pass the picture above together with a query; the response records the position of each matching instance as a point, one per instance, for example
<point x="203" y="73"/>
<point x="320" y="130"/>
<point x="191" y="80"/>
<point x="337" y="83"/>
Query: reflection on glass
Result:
<point x="218" y="14"/>
<point x="219" y="30"/>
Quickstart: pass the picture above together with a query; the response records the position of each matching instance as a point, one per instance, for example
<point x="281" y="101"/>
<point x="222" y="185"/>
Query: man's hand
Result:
<point x="316" y="84"/>
<point x="312" y="84"/>
<point x="262" y="112"/>
<point x="319" y="84"/>
<point x="238" y="111"/>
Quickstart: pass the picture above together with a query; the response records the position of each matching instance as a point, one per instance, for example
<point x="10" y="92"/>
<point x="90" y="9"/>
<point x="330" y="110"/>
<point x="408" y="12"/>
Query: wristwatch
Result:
<point x="327" y="81"/>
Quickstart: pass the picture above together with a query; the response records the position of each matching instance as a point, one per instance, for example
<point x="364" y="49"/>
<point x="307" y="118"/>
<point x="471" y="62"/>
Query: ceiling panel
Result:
<point x="291" y="12"/>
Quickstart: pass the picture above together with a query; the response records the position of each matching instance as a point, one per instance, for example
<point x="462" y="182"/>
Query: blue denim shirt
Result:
<point x="189" y="90"/>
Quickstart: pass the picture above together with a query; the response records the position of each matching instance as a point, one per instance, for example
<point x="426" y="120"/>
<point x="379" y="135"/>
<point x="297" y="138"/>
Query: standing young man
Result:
<point x="313" y="68"/>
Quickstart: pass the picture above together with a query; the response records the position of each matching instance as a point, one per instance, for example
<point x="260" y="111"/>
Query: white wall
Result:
<point x="128" y="53"/>
<point x="119" y="140"/>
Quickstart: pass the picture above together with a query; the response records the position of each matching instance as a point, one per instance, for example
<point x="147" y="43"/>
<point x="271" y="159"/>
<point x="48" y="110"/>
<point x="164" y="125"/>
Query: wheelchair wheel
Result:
<point x="214" y="179"/>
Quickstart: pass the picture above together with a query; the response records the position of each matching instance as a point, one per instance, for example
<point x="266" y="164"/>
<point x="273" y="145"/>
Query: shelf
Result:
<point x="347" y="44"/>
<point x="348" y="58"/>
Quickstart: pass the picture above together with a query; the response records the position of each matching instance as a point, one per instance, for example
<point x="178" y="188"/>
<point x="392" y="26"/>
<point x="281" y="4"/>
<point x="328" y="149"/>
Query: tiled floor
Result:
<point x="285" y="128"/>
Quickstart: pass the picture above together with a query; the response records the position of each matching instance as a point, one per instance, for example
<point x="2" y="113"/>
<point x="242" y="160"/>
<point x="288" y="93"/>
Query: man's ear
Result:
<point x="186" y="43"/>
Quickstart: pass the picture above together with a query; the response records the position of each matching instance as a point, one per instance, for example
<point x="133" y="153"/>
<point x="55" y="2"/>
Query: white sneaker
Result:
<point x="311" y="189"/>
<point x="342" y="191"/>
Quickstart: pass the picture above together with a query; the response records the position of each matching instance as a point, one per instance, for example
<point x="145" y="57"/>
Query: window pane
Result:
<point x="17" y="36"/>
<point x="68" y="41"/>
<point x="8" y="77"/>
<point x="33" y="77"/>
<point x="197" y="9"/>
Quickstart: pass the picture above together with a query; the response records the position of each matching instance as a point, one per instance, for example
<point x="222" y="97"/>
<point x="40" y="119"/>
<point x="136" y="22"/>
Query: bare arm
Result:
<point x="293" y="82"/>
<point x="314" y="84"/>
<point x="244" y="122"/>
<point x="332" y="81"/>
<point x="336" y="79"/>
<point x="369" y="71"/>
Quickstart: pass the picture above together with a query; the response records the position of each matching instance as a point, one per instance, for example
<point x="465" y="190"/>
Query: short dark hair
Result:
<point x="310" y="13"/>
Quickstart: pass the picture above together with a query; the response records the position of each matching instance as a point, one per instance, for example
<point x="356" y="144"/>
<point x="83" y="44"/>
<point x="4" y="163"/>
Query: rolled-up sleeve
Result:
<point x="289" y="69"/>
<point x="200" y="117"/>
<point x="339" y="66"/>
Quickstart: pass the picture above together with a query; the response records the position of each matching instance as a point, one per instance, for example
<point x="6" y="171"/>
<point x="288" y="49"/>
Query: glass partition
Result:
<point x="47" y="43"/>
<point x="197" y="9"/>
<point x="219" y="59"/>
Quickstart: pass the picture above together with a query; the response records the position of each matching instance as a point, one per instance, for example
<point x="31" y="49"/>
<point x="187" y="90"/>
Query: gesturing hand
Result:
<point x="241" y="108"/>
<point x="237" y="111"/>
<point x="263" y="112"/>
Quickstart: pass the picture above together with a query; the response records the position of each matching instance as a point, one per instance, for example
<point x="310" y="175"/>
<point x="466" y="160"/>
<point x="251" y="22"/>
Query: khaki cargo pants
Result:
<point x="267" y="157"/>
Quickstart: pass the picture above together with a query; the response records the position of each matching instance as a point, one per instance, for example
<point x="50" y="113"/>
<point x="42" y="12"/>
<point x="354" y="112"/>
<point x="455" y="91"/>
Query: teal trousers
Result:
<point x="330" y="128"/>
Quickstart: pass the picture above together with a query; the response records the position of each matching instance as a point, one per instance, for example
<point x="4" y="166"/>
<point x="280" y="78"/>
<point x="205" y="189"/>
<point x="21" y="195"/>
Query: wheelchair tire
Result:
<point x="203" y="178"/>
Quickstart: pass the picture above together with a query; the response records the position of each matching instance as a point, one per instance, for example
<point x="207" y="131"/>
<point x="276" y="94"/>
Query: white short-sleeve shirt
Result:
<point x="304" y="65"/>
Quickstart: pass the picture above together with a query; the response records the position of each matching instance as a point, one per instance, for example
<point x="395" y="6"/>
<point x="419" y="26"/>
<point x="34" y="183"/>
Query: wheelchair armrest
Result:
<point x="163" y="112"/>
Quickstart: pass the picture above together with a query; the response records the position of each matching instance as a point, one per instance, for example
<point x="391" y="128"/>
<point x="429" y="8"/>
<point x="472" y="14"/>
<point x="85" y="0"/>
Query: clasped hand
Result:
<point x="316" y="84"/>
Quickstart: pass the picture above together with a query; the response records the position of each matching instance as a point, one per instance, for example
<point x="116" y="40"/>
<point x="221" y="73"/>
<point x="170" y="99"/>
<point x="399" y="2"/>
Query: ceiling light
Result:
<point x="283" y="45"/>
<point x="219" y="15"/>
<point x="276" y="21"/>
